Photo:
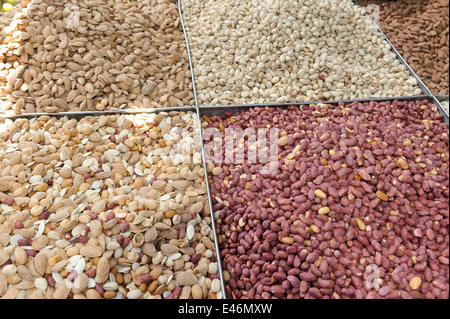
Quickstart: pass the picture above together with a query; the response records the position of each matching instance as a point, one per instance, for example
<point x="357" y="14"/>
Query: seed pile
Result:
<point x="419" y="30"/>
<point x="105" y="207"/>
<point x="253" y="51"/>
<point x="93" y="55"/>
<point x="358" y="206"/>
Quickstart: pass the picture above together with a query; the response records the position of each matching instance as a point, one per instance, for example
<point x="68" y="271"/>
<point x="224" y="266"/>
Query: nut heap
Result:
<point x="93" y="55"/>
<point x="7" y="5"/>
<point x="105" y="207"/>
<point x="250" y="51"/>
<point x="419" y="30"/>
<point x="358" y="206"/>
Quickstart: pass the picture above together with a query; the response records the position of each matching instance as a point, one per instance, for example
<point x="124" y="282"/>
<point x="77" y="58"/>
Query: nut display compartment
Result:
<point x="209" y="61"/>
<point x="136" y="59"/>
<point x="276" y="229"/>
<point x="126" y="212"/>
<point x="138" y="204"/>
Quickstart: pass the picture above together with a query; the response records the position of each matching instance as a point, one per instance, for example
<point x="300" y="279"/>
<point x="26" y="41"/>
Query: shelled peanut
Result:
<point x="105" y="207"/>
<point x="419" y="30"/>
<point x="93" y="55"/>
<point x="357" y="206"/>
<point x="250" y="51"/>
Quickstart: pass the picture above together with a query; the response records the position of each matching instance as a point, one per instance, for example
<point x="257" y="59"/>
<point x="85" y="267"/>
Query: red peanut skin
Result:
<point x="408" y="235"/>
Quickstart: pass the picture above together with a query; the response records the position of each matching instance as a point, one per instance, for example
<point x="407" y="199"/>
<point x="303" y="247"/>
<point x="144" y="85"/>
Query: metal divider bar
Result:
<point x="99" y="113"/>
<point x="188" y="52"/>
<point x="218" y="110"/>
<point x="429" y="98"/>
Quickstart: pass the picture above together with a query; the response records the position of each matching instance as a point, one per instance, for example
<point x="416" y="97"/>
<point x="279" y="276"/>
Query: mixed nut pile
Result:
<point x="357" y="206"/>
<point x="93" y="55"/>
<point x="419" y="30"/>
<point x="105" y="207"/>
<point x="251" y="51"/>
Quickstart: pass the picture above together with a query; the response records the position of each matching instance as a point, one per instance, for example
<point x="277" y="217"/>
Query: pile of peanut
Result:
<point x="419" y="30"/>
<point x="105" y="207"/>
<point x="357" y="207"/>
<point x="93" y="55"/>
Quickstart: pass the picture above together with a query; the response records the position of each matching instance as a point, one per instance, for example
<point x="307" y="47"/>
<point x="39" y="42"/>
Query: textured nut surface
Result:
<point x="93" y="236"/>
<point x="341" y="217"/>
<point x="186" y="278"/>
<point x="445" y="104"/>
